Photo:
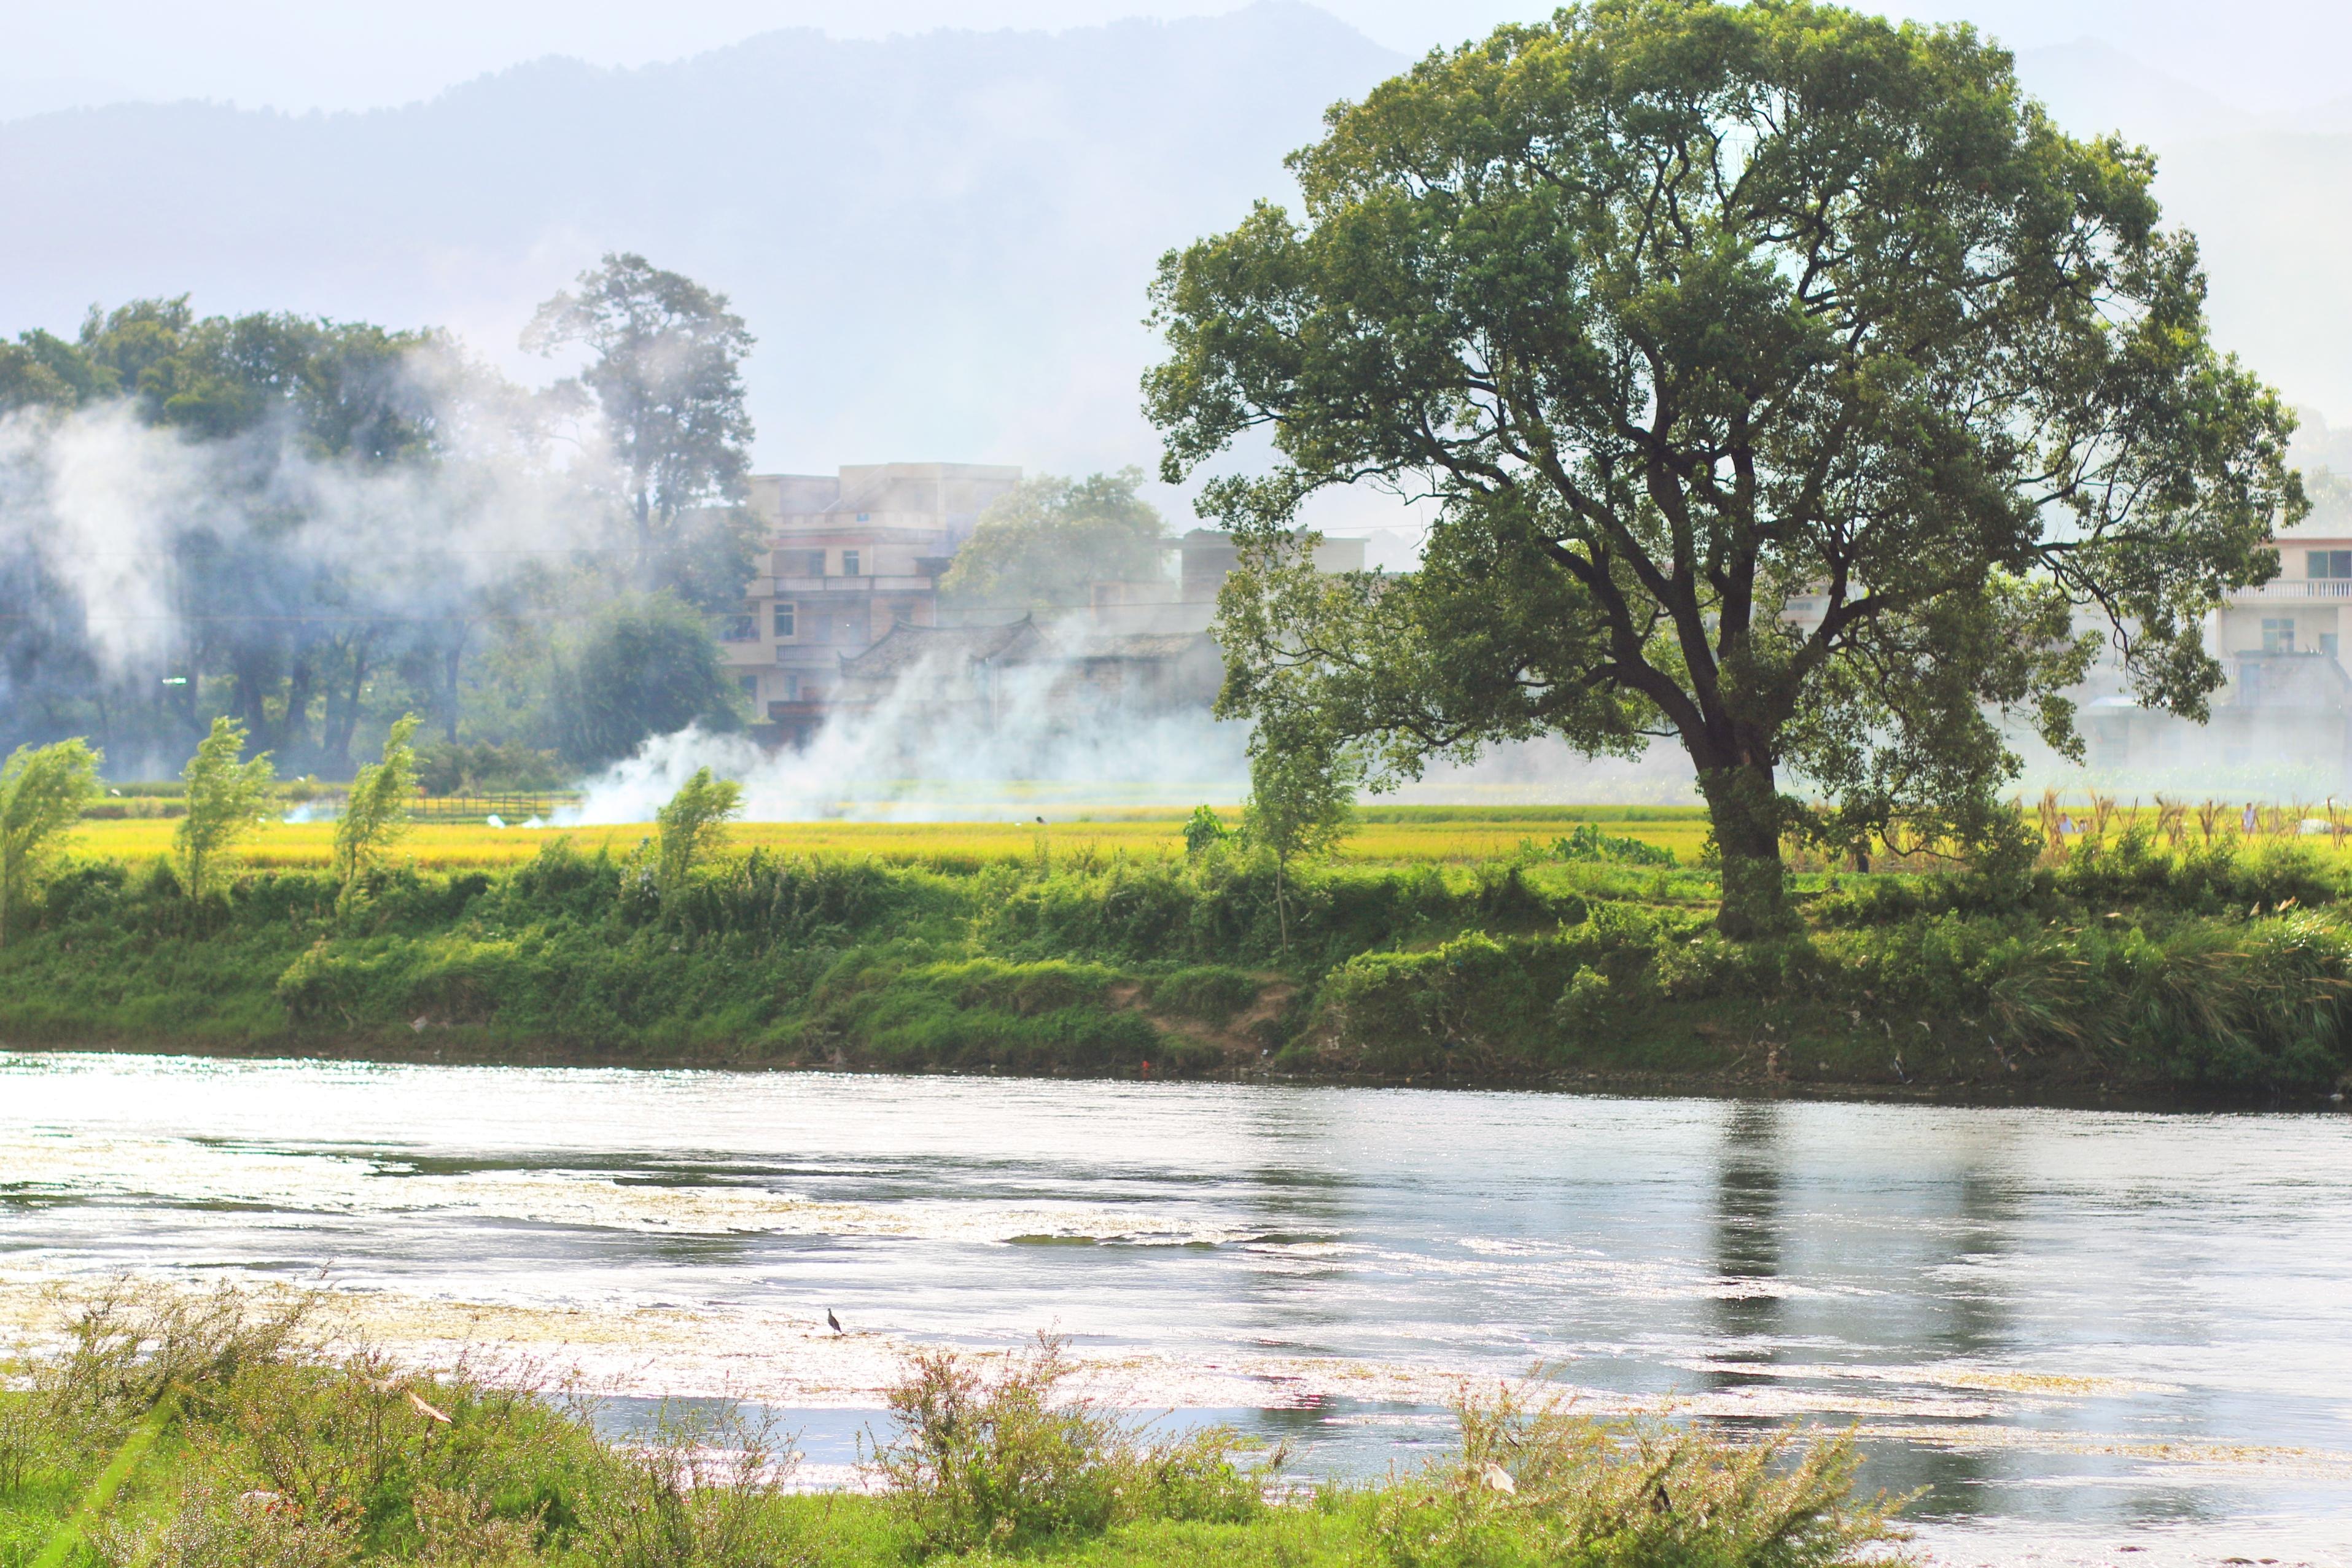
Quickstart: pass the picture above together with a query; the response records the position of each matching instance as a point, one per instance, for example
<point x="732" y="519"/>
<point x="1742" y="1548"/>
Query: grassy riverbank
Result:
<point x="231" y="1432"/>
<point x="2195" y="974"/>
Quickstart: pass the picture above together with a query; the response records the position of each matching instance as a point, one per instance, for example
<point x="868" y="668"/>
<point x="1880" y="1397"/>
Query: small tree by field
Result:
<point x="228" y="799"/>
<point x="1787" y="386"/>
<point x="693" y="828"/>
<point x="1301" y="803"/>
<point x="376" y="816"/>
<point x="43" y="792"/>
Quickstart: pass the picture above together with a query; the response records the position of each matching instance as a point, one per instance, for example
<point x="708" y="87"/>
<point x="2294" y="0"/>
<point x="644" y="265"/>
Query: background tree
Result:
<point x="667" y="379"/>
<point x="1043" y="543"/>
<point x="375" y="816"/>
<point x="645" y="665"/>
<point x="1684" y="311"/>
<point x="43" y="793"/>
<point x="227" y="801"/>
<point x="1302" y="796"/>
<point x="693" y="827"/>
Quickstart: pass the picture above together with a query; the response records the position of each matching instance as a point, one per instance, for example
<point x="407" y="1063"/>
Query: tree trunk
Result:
<point x="1744" y="809"/>
<point x="1281" y="909"/>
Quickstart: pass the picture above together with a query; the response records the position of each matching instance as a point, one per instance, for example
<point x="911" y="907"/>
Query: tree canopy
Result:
<point x="1788" y="384"/>
<point x="667" y="379"/>
<point x="1043" y="543"/>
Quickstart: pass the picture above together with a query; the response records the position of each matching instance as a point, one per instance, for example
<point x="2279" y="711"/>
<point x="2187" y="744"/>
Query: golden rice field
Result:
<point x="1395" y="835"/>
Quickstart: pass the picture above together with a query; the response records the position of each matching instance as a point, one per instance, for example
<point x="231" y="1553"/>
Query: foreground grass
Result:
<point x="2204" y="975"/>
<point x="229" y="1432"/>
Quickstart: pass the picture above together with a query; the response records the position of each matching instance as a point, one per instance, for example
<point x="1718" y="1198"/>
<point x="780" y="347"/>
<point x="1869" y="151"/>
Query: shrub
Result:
<point x="1588" y="842"/>
<point x="993" y="1453"/>
<point x="1538" y="1483"/>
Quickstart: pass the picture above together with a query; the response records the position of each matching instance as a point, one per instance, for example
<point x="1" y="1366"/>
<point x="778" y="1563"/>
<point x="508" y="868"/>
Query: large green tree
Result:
<point x="1787" y="384"/>
<point x="1044" y="543"/>
<point x="667" y="379"/>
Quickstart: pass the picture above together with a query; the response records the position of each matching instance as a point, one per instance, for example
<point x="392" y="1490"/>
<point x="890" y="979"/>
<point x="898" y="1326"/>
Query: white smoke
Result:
<point x="918" y="753"/>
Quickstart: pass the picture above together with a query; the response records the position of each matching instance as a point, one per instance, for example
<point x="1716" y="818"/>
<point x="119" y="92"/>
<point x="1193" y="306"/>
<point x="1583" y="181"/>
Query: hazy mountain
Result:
<point x="942" y="241"/>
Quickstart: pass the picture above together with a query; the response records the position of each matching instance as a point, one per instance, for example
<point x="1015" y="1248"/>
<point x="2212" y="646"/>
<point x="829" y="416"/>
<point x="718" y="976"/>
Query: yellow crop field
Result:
<point x="1397" y="835"/>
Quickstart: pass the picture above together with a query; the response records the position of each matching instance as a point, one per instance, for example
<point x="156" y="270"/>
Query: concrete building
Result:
<point x="845" y="613"/>
<point x="2281" y="727"/>
<point x="848" y="556"/>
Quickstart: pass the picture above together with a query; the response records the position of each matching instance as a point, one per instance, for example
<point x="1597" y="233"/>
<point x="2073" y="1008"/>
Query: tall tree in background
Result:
<point x="645" y="666"/>
<point x="667" y="380"/>
<point x="1684" y="312"/>
<point x="1041" y="543"/>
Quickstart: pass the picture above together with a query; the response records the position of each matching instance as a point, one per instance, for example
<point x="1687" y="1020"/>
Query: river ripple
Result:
<point x="2077" y="1330"/>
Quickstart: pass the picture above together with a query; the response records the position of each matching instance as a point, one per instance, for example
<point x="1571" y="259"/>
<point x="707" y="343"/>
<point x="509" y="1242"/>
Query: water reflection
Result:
<point x="1747" y="1238"/>
<point x="2037" y="1316"/>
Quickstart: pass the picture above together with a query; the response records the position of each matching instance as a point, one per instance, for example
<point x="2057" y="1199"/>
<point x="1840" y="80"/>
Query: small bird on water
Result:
<point x="833" y="1321"/>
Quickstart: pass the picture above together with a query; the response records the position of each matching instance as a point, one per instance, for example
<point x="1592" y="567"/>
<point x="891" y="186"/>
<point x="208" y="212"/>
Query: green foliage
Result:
<point x="284" y="1449"/>
<point x="1302" y="796"/>
<point x="646" y="666"/>
<point x="2206" y="977"/>
<point x="1045" y="542"/>
<point x="692" y="829"/>
<point x="1750" y="477"/>
<point x="1203" y="830"/>
<point x="227" y="801"/>
<point x="1588" y="842"/>
<point x="43" y="792"/>
<point x="375" y="816"/>
<point x="667" y="379"/>
<point x="481" y="766"/>
<point x="993" y="1454"/>
<point x="1535" y="1482"/>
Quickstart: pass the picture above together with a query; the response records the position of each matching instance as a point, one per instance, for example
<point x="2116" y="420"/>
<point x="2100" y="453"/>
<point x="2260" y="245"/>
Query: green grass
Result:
<point x="2194" y="976"/>
<point x="236" y="1430"/>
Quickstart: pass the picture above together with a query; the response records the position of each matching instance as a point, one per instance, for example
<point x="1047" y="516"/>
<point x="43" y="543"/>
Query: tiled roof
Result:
<point x="905" y="648"/>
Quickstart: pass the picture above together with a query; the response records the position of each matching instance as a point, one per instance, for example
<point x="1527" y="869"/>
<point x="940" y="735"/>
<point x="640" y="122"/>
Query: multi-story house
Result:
<point x="845" y="557"/>
<point x="846" y="608"/>
<point x="2281" y="727"/>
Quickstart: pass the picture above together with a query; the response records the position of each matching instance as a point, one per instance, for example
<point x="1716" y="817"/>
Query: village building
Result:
<point x="846" y="615"/>
<point x="846" y="556"/>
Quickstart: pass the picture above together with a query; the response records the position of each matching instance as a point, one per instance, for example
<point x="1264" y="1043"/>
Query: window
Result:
<point x="785" y="613"/>
<point x="2327" y="563"/>
<point x="800" y="563"/>
<point x="790" y="691"/>
<point x="861" y="517"/>
<point x="750" y="685"/>
<point x="849" y="563"/>
<point x="740" y="628"/>
<point x="2327" y="643"/>
<point x="2278" y="634"/>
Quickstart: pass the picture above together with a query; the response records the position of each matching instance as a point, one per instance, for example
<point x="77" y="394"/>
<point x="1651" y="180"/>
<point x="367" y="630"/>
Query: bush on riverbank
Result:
<point x="2212" y="973"/>
<point x="232" y="1431"/>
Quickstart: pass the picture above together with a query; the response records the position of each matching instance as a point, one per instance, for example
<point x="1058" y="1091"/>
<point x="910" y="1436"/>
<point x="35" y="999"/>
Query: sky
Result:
<point x="2267" y="57"/>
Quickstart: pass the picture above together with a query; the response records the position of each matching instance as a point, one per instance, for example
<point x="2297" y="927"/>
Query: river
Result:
<point x="2077" y="1331"/>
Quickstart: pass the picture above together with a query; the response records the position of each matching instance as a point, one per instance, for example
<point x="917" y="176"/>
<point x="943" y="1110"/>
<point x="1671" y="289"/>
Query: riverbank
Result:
<point x="238" y="1428"/>
<point x="2125" y="975"/>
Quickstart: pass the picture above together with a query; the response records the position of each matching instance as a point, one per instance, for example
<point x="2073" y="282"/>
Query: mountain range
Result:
<point x="943" y="240"/>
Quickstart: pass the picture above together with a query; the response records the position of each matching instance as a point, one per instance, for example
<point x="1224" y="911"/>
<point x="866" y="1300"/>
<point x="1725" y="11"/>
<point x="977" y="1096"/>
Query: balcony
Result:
<point x="2294" y="588"/>
<point x="800" y="587"/>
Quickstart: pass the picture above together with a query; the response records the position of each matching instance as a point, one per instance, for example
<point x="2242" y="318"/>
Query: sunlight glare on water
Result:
<point x="2074" y="1329"/>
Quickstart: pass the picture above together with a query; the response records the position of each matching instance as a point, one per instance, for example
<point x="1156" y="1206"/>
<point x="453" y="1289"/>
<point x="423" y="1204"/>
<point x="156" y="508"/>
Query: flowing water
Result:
<point x="2079" y="1332"/>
